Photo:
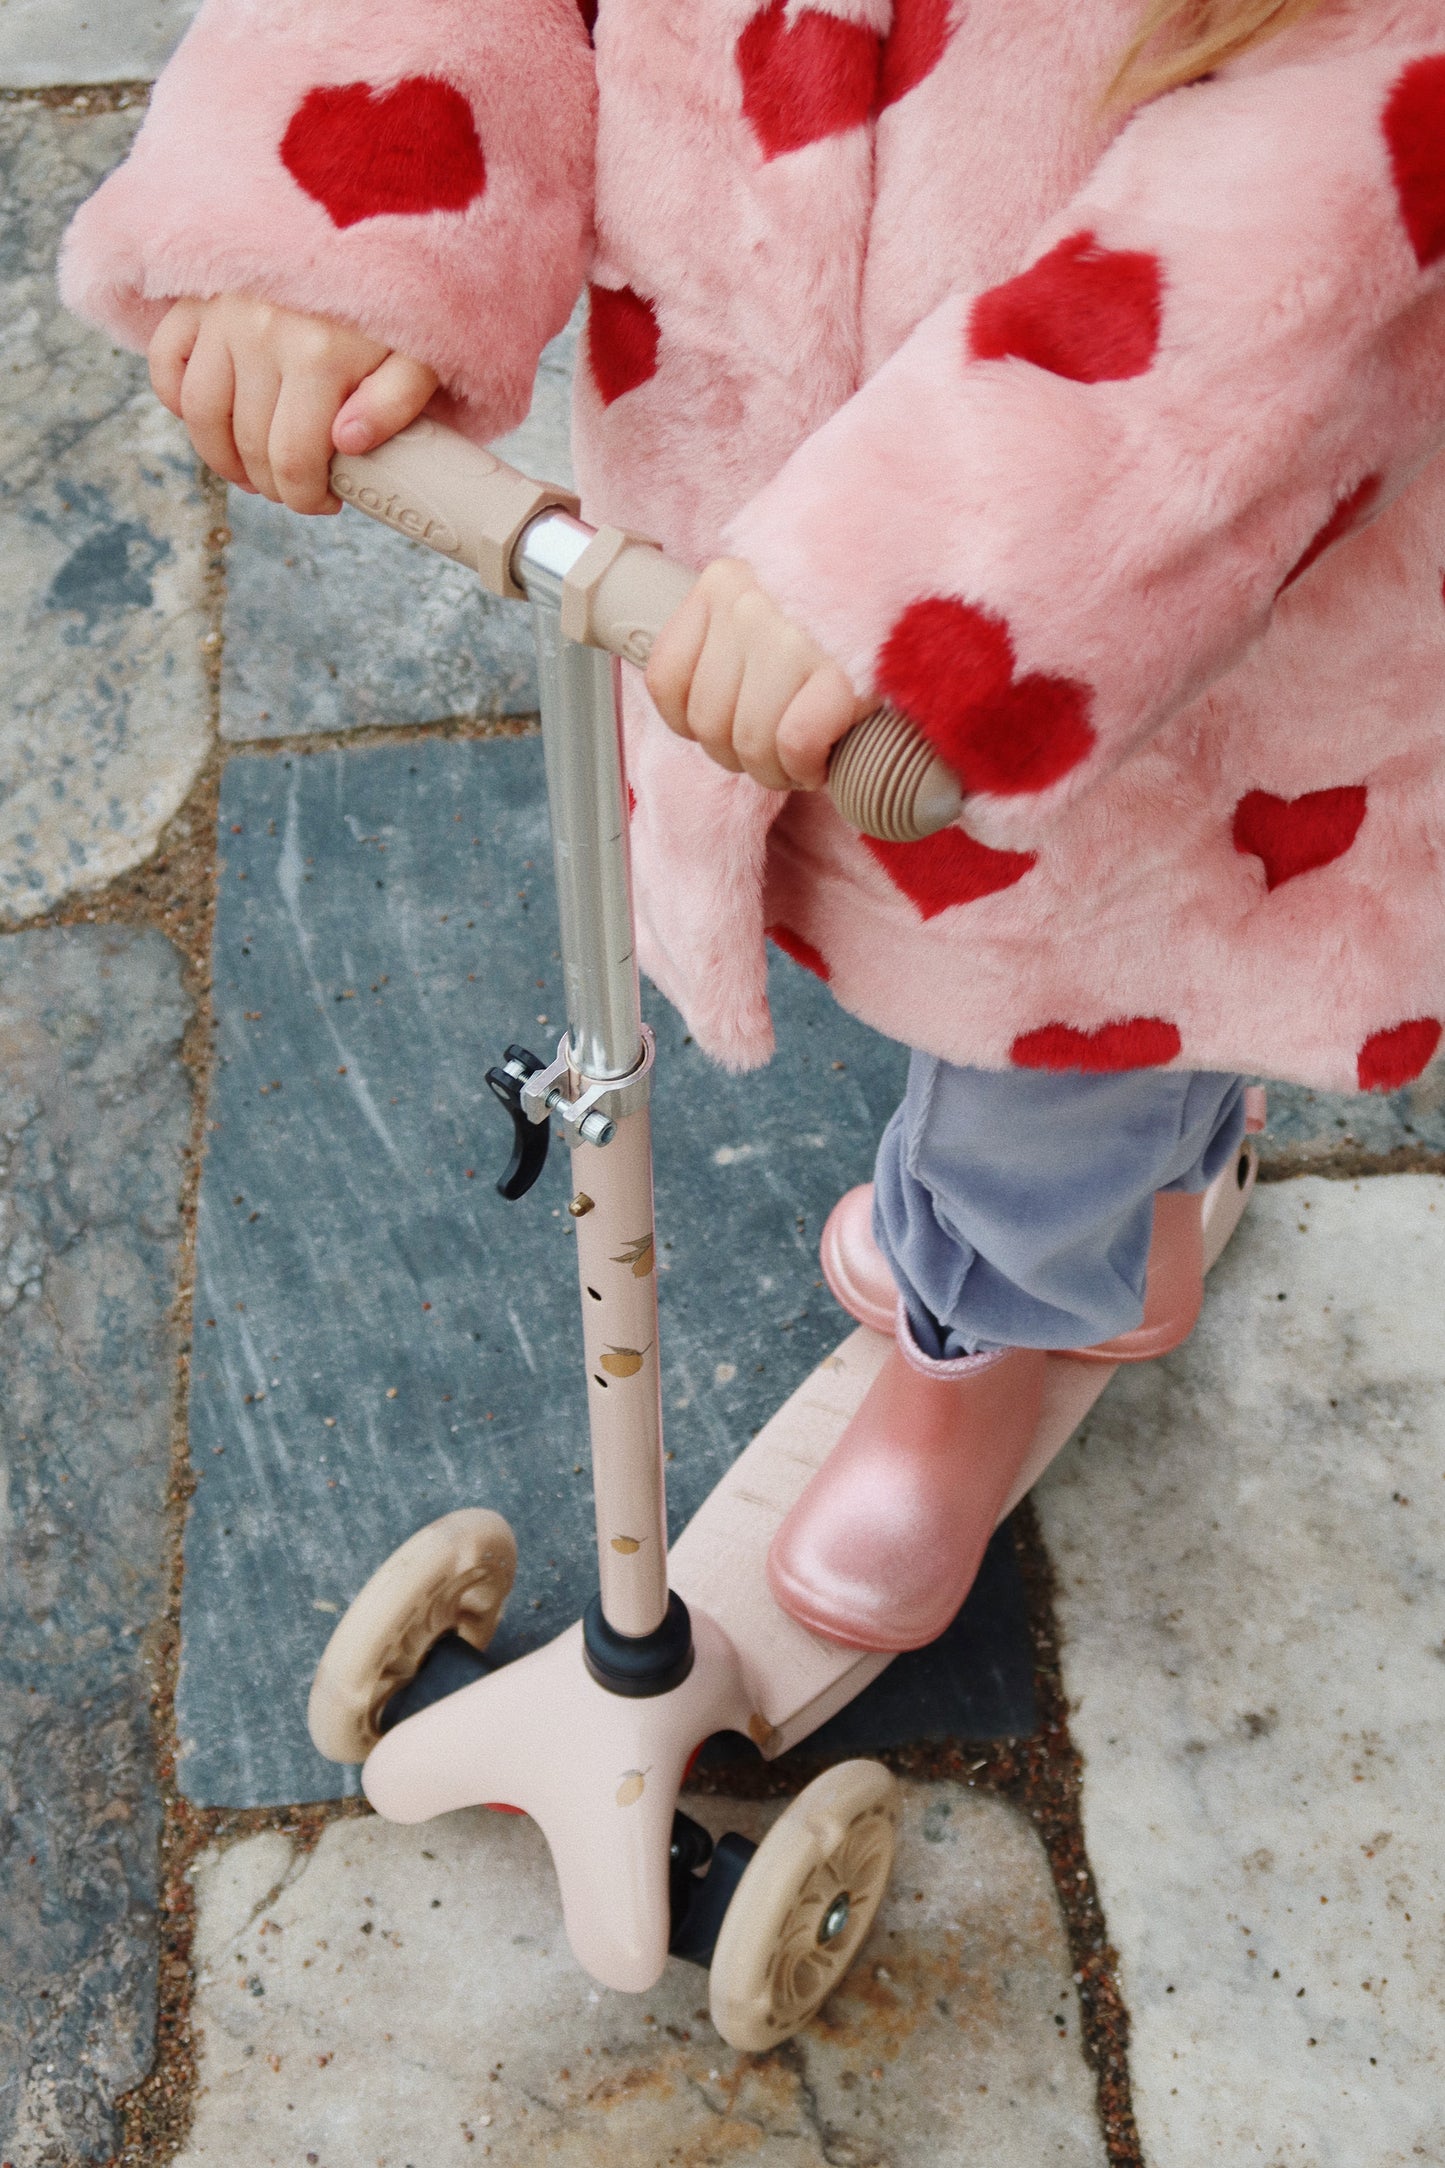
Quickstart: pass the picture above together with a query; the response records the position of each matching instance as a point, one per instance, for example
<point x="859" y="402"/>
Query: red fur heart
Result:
<point x="362" y="153"/>
<point x="622" y="340"/>
<point x="815" y="77"/>
<point x="1135" y="1042"/>
<point x="921" y="30"/>
<point x="1391" y="1058"/>
<point x="1084" y="312"/>
<point x="1295" y="835"/>
<point x="802" y="952"/>
<point x="1346" y="514"/>
<point x="948" y="869"/>
<point x="951" y="667"/>
<point x="1414" y="123"/>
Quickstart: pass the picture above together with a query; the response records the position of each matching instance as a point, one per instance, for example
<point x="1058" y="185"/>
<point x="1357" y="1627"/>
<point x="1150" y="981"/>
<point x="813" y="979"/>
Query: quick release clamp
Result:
<point x="534" y="1092"/>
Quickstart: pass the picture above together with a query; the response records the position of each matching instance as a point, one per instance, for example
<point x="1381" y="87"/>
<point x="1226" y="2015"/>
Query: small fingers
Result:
<point x="299" y="444"/>
<point x="774" y="674"/>
<point x="258" y="385"/>
<point x="384" y="402"/>
<point x="674" y="658"/>
<point x="820" y="714"/>
<point x="207" y="392"/>
<point x="170" y="349"/>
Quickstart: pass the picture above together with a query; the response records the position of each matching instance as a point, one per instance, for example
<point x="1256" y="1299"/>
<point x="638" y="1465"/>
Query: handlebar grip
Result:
<point x="438" y="488"/>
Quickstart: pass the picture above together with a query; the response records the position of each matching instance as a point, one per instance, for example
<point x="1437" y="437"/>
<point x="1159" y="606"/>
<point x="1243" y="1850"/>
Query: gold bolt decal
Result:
<point x="639" y="1254"/>
<point x="627" y="1545"/>
<point x="632" y="1787"/>
<point x="580" y="1205"/>
<point x="623" y="1362"/>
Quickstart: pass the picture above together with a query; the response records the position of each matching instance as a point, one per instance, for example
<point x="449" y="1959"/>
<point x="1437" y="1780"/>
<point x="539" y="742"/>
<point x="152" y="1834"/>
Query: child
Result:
<point x="1073" y="381"/>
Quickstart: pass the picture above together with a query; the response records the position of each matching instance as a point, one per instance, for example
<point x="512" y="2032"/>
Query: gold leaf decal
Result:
<point x="637" y="1253"/>
<point x="623" y="1362"/>
<point x="626" y="1545"/>
<point x="632" y="1787"/>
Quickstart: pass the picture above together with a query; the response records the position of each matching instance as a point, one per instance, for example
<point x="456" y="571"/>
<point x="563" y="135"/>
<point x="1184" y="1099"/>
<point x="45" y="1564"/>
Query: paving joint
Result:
<point x="81" y="97"/>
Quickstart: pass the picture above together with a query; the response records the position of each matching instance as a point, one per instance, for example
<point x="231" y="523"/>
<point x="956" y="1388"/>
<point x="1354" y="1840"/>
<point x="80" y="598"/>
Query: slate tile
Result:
<point x="391" y="1339"/>
<point x="94" y="1109"/>
<point x="103" y="725"/>
<point x="334" y="623"/>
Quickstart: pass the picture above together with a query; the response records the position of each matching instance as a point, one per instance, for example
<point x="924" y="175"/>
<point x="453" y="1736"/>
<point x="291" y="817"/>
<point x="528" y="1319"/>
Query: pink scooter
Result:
<point x="593" y="1735"/>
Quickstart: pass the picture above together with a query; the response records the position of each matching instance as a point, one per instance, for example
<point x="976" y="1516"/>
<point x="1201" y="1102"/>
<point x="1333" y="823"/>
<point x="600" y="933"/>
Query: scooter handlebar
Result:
<point x="438" y="488"/>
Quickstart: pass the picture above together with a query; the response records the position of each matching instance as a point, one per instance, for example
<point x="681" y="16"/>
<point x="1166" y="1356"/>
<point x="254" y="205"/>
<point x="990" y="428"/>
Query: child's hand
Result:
<point x="756" y="692"/>
<point x="267" y="394"/>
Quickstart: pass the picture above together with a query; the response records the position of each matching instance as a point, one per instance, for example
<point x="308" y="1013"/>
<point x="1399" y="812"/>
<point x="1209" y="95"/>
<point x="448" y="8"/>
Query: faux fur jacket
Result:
<point x="1105" y="447"/>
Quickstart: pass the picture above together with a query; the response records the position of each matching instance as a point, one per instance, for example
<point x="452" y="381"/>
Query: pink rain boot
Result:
<point x="884" y="1542"/>
<point x="858" y="1274"/>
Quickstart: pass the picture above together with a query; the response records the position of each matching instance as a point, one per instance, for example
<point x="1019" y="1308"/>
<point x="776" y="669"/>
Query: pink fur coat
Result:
<point x="1108" y="449"/>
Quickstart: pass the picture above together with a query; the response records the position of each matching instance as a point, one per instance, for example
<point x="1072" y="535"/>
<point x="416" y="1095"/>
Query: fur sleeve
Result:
<point x="1068" y="503"/>
<point x="420" y="168"/>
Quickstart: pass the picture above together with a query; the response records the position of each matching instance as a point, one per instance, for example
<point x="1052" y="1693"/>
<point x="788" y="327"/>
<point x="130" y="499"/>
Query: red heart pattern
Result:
<point x="1134" y="1042"/>
<point x="1087" y="313"/>
<point x="622" y="340"/>
<point x="1414" y="124"/>
<point x="361" y="153"/>
<point x="914" y="47"/>
<point x="951" y="667"/>
<point x="948" y="869"/>
<point x="1296" y="835"/>
<point x="1391" y="1058"/>
<point x="802" y="952"/>
<point x="814" y="77"/>
<point x="1346" y="514"/>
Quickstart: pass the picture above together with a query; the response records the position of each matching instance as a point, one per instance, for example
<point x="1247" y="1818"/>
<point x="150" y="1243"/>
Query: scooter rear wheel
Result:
<point x="453" y="1576"/>
<point x="804" y="1905"/>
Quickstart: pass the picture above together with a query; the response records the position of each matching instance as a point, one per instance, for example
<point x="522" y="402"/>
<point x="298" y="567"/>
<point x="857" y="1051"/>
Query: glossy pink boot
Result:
<point x="883" y="1544"/>
<point x="857" y="1272"/>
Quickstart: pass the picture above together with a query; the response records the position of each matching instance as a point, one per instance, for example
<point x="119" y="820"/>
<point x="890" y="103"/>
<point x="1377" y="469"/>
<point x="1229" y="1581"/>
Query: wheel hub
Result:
<point x="835" y="1919"/>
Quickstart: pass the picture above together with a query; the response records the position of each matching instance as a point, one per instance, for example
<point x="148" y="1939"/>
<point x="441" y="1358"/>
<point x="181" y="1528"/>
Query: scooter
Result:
<point x="594" y="1734"/>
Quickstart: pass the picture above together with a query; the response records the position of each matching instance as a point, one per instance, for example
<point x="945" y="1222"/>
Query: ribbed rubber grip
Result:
<point x="887" y="781"/>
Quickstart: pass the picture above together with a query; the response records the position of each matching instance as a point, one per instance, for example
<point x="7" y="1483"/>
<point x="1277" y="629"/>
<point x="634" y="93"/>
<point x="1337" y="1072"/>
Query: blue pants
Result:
<point x="1015" y="1207"/>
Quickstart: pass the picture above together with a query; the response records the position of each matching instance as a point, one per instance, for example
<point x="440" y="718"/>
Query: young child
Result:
<point x="1074" y="381"/>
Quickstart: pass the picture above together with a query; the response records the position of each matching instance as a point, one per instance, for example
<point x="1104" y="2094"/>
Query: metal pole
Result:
<point x="612" y="1183"/>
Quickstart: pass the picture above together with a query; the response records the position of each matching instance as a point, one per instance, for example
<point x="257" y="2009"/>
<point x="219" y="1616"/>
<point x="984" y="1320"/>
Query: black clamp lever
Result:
<point x="529" y="1139"/>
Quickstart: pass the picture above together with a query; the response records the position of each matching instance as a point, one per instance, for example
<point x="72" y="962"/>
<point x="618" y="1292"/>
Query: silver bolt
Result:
<point x="835" y="1919"/>
<point x="597" y="1128"/>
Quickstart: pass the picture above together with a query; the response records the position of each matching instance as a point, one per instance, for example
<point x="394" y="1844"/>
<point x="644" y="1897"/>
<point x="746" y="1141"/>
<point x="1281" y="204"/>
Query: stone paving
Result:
<point x="1249" y="1548"/>
<point x="406" y="1995"/>
<point x="45" y="42"/>
<point x="94" y="1110"/>
<point x="1251" y="1636"/>
<point x="102" y="607"/>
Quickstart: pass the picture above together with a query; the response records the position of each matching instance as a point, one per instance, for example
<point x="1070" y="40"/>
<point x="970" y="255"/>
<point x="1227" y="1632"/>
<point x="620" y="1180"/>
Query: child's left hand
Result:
<point x="753" y="689"/>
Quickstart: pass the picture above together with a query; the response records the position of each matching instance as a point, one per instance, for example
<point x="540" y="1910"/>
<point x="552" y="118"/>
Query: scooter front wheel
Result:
<point x="804" y="1906"/>
<point x="453" y="1576"/>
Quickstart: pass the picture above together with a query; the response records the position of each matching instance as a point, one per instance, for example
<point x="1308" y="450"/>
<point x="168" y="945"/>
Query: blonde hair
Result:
<point x="1180" y="40"/>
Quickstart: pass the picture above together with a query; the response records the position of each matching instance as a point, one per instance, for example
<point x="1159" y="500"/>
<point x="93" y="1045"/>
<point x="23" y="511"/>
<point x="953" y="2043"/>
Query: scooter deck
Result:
<point x="794" y="1679"/>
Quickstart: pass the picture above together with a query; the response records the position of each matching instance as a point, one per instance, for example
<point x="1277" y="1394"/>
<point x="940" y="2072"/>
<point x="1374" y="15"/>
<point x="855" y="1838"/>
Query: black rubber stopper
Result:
<point x="638" y="1664"/>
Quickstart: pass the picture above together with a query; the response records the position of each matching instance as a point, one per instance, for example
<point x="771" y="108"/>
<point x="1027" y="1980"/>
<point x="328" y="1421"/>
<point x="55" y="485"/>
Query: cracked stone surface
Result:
<point x="407" y="1995"/>
<point x="102" y="527"/>
<point x="45" y="42"/>
<point x="380" y="1337"/>
<point x="333" y="623"/>
<point x="1249" y="1559"/>
<point x="94" y="1109"/>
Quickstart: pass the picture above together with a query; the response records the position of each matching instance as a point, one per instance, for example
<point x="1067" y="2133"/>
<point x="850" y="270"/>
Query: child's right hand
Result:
<point x="268" y="395"/>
